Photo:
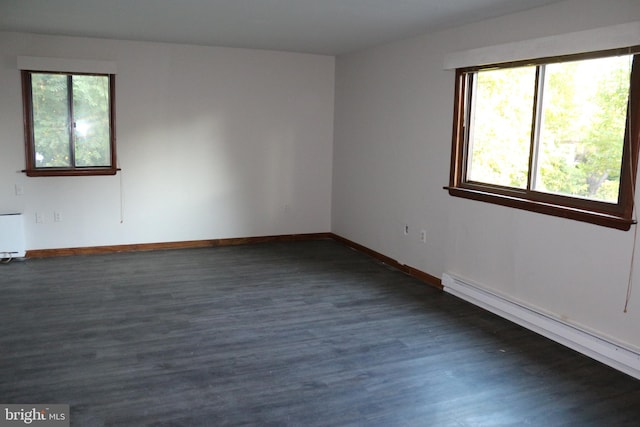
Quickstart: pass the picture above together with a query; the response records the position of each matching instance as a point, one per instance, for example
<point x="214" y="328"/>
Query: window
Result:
<point x="558" y="136"/>
<point x="69" y="123"/>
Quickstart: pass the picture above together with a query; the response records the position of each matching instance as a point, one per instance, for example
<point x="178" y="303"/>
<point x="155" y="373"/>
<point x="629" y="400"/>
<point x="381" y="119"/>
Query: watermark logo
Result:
<point x="34" y="415"/>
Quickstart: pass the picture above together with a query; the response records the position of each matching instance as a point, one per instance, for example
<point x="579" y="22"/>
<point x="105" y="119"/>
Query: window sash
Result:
<point x="32" y="169"/>
<point x="616" y="215"/>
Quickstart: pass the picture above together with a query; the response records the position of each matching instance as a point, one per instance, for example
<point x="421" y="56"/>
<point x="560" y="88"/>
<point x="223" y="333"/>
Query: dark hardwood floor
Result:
<point x="281" y="334"/>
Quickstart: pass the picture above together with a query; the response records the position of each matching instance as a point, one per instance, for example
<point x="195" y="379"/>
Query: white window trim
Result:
<point x="65" y="65"/>
<point x="597" y="39"/>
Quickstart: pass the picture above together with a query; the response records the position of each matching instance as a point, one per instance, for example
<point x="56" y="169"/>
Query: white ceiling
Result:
<point x="330" y="27"/>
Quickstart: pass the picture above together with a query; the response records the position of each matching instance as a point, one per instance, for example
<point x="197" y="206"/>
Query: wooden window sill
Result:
<point x="593" y="217"/>
<point x="71" y="172"/>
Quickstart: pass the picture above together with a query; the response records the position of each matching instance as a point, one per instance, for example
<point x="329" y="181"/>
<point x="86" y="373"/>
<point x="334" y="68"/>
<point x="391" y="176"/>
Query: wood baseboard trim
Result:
<point x="411" y="271"/>
<point x="139" y="247"/>
<point x="189" y="244"/>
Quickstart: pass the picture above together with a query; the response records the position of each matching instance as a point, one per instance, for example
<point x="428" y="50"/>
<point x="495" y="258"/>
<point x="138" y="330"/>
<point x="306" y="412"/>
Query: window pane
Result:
<point x="584" y="109"/>
<point x="500" y="123"/>
<point x="50" y="120"/>
<point x="91" y="115"/>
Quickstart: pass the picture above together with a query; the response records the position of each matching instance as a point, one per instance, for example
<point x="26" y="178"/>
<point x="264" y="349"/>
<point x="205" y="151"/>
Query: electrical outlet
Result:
<point x="39" y="218"/>
<point x="57" y="217"/>
<point x="423" y="236"/>
<point x="19" y="190"/>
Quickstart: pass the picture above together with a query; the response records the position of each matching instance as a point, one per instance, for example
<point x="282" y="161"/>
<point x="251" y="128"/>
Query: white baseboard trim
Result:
<point x="590" y="344"/>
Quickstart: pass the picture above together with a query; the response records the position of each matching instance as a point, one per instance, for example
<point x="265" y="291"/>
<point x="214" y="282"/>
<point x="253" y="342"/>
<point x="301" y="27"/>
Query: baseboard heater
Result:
<point x="12" y="243"/>
<point x="597" y="347"/>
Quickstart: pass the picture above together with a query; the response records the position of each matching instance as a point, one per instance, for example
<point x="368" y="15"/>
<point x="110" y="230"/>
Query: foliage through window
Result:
<point x="69" y="124"/>
<point x="557" y="136"/>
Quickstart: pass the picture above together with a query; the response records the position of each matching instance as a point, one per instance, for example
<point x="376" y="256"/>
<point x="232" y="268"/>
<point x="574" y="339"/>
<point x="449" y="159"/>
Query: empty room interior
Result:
<point x="290" y="212"/>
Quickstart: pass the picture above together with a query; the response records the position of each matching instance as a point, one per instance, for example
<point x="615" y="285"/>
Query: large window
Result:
<point x="69" y="123"/>
<point x="558" y="136"/>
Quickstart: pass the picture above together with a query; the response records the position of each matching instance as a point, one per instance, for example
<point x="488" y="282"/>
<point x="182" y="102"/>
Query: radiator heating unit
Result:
<point x="12" y="243"/>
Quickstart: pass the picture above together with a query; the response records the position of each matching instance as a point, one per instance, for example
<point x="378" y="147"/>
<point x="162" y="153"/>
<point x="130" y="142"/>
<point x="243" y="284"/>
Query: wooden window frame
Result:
<point x="27" y="102"/>
<point x="615" y="215"/>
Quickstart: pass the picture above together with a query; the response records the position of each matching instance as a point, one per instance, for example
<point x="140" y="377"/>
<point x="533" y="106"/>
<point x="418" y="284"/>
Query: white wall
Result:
<point x="213" y="143"/>
<point x="392" y="149"/>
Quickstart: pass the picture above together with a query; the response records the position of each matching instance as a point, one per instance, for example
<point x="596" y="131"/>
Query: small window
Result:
<point x="557" y="136"/>
<point x="69" y="123"/>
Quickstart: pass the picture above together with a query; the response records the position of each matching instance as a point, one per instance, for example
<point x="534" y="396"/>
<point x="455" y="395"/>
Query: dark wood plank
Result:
<point x="306" y="333"/>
